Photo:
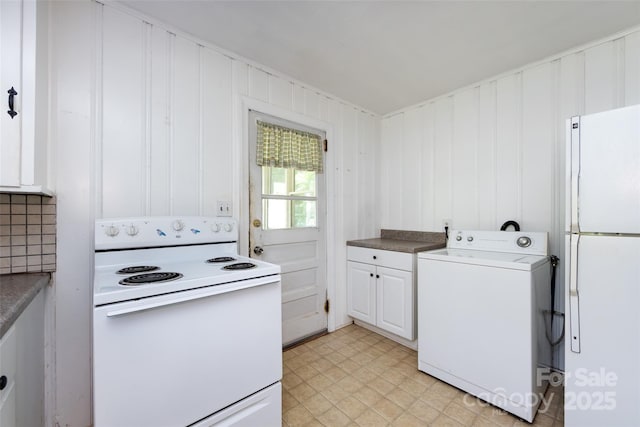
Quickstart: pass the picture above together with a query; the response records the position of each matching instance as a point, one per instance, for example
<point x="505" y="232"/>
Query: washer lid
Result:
<point x="486" y="258"/>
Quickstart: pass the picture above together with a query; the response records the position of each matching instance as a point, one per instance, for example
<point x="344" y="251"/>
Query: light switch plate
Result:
<point x="223" y="208"/>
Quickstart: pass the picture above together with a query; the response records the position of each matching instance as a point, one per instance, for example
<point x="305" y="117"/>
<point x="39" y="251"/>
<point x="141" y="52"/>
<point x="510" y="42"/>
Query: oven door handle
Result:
<point x="199" y="295"/>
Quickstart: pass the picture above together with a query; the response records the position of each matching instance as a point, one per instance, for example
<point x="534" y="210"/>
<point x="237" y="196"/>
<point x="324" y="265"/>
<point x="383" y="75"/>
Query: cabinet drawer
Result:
<point x="391" y="259"/>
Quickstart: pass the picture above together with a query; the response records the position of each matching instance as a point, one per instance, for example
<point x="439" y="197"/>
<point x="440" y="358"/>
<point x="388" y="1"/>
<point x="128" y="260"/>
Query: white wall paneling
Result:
<point x="123" y="113"/>
<point x="163" y="116"/>
<point x="72" y="83"/>
<point x="163" y="113"/>
<point x="495" y="150"/>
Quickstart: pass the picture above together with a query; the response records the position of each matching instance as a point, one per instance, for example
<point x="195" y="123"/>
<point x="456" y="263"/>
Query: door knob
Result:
<point x="258" y="250"/>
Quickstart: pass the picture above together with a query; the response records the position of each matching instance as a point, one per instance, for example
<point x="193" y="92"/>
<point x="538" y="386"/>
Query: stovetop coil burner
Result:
<point x="137" y="269"/>
<point x="143" y="279"/>
<point x="239" y="266"/>
<point x="221" y="259"/>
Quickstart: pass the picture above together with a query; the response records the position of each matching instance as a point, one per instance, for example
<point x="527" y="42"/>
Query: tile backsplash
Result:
<point x="27" y="233"/>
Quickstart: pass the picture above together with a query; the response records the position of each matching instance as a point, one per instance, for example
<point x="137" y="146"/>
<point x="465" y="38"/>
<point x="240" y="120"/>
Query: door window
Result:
<point x="289" y="198"/>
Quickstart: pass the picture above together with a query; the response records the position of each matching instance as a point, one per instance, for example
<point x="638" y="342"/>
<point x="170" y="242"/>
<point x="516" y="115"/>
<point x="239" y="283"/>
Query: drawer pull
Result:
<point x="375" y="257"/>
<point x="3" y="382"/>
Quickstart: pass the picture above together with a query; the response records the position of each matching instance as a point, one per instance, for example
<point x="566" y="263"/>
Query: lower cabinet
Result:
<point x="8" y="359"/>
<point x="381" y="295"/>
<point x="22" y="369"/>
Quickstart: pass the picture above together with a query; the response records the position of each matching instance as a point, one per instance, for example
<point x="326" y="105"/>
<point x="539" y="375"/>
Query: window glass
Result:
<point x="294" y="204"/>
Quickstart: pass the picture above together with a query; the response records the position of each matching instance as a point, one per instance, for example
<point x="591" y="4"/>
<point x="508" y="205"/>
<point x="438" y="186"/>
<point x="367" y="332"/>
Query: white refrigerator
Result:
<point x="602" y="344"/>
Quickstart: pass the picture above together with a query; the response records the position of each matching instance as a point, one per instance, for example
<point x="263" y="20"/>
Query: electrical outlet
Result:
<point x="224" y="208"/>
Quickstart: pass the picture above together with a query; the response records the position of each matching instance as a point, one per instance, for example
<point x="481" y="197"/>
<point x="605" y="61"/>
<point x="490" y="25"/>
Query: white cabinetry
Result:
<point x="381" y="289"/>
<point x="23" y="96"/>
<point x="8" y="356"/>
<point x="22" y="369"/>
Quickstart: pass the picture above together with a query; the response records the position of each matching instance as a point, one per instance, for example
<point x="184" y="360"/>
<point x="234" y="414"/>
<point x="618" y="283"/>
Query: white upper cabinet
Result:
<point x="23" y="96"/>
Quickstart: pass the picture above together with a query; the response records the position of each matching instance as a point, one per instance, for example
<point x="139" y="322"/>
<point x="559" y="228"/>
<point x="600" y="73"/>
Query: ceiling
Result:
<point x="385" y="55"/>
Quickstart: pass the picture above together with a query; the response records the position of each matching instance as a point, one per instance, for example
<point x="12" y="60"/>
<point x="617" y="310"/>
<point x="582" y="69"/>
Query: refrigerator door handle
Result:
<point x="575" y="172"/>
<point x="574" y="300"/>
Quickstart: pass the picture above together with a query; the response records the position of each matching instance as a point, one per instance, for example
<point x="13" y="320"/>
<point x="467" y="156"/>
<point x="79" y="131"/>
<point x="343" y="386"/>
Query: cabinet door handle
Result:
<point x="3" y="382"/>
<point x="371" y="274"/>
<point x="12" y="92"/>
<point x="375" y="257"/>
<point x="377" y="276"/>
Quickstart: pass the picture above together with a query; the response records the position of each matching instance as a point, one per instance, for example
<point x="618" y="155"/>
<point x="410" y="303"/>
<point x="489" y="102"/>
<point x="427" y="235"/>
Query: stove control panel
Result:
<point x="143" y="232"/>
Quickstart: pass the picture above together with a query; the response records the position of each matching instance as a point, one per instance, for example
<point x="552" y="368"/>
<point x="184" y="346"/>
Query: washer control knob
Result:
<point x="132" y="230"/>
<point x="177" y="225"/>
<point x="470" y="239"/>
<point x="524" y="242"/>
<point x="458" y="237"/>
<point x="112" y="231"/>
<point x="228" y="227"/>
<point x="215" y="227"/>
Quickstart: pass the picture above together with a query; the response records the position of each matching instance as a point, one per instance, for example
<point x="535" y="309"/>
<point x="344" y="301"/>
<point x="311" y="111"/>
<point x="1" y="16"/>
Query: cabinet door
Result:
<point x="8" y="362"/>
<point x="10" y="76"/>
<point x="361" y="291"/>
<point x="395" y="302"/>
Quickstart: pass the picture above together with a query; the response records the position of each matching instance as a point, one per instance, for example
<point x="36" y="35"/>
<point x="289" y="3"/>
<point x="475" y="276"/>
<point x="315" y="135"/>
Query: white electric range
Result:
<point x="186" y="332"/>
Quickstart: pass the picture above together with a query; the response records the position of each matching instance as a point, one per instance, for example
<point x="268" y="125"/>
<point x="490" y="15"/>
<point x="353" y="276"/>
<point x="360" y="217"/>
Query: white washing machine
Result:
<point x="481" y="308"/>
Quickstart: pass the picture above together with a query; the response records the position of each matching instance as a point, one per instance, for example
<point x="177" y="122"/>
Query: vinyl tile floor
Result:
<point x="355" y="377"/>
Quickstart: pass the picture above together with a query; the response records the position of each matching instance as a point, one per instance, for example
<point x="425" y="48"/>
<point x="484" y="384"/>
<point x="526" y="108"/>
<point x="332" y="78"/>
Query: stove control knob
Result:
<point x="177" y="225"/>
<point x="215" y="227"/>
<point x="112" y="231"/>
<point x="470" y="239"/>
<point x="132" y="230"/>
<point x="228" y="227"/>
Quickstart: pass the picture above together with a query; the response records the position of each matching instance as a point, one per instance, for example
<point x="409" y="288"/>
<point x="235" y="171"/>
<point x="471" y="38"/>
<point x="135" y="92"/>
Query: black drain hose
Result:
<point x="553" y="313"/>
<point x="515" y="225"/>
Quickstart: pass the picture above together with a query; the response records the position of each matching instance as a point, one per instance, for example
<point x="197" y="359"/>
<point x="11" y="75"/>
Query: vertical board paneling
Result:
<point x="410" y="170"/>
<point x="632" y="69"/>
<point x="311" y="104"/>
<point x="323" y="108"/>
<point x="159" y="161"/>
<point x="258" y="84"/>
<point x="464" y="152"/>
<point x="442" y="168"/>
<point x="366" y="196"/>
<point x="240" y="73"/>
<point x="298" y="99"/>
<point x="123" y="119"/>
<point x="383" y="178"/>
<point x="486" y="163"/>
<point x="350" y="129"/>
<point x="600" y="78"/>
<point x="508" y="153"/>
<point x="217" y="134"/>
<point x="280" y="92"/>
<point x="391" y="177"/>
<point x="427" y="169"/>
<point x="538" y="168"/>
<point x="185" y="150"/>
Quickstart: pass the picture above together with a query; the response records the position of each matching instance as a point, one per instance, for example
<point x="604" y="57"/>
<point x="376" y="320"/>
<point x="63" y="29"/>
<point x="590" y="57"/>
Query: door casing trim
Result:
<point x="241" y="180"/>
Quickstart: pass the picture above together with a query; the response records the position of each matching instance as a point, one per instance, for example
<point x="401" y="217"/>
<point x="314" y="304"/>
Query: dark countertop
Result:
<point x="16" y="292"/>
<point x="403" y="241"/>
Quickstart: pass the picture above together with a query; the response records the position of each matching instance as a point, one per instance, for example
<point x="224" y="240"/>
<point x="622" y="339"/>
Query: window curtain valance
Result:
<point x="281" y="147"/>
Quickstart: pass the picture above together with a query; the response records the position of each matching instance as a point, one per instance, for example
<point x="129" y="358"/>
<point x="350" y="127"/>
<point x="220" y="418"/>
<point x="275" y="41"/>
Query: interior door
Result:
<point x="287" y="227"/>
